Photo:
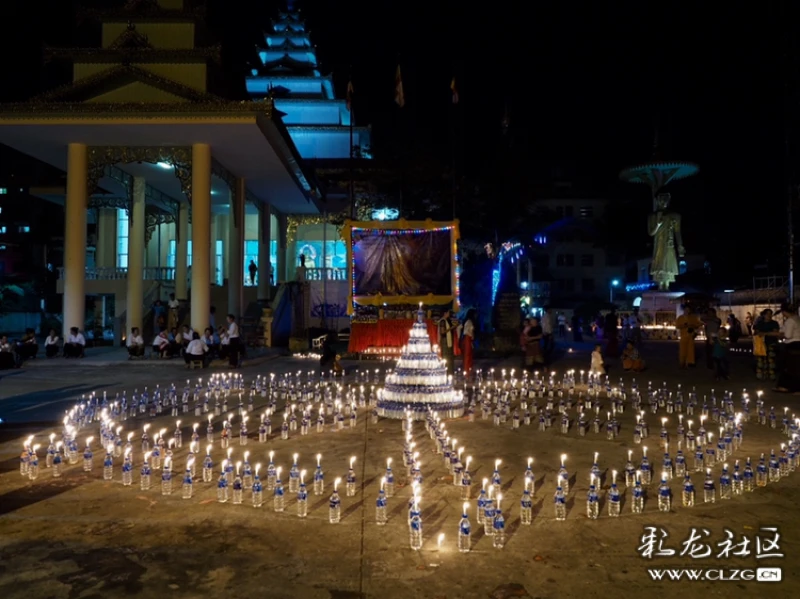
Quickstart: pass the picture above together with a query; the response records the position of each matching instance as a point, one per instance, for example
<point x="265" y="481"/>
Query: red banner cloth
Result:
<point x="386" y="333"/>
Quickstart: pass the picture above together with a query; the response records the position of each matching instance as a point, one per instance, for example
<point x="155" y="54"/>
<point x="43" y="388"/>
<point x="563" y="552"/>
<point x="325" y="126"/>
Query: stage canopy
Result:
<point x="402" y="262"/>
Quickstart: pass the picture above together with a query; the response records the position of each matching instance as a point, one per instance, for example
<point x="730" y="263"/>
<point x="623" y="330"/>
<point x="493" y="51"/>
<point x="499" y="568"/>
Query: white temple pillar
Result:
<point x="282" y="272"/>
<point x="135" y="276"/>
<point x="201" y="236"/>
<point x="181" y="253"/>
<point x="236" y="248"/>
<point x="106" y="248"/>
<point x="264" y="243"/>
<point x="75" y="238"/>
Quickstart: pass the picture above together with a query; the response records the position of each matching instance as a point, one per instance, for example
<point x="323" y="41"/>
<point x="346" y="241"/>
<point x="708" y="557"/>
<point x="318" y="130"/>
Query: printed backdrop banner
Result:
<point x="336" y="294"/>
<point x="408" y="263"/>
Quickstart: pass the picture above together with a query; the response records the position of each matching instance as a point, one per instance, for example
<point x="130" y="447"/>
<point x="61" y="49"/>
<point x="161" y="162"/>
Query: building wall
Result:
<point x="161" y="35"/>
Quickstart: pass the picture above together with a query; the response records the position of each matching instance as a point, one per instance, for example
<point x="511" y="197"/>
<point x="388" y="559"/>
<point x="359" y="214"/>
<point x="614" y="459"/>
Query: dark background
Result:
<point x="585" y="84"/>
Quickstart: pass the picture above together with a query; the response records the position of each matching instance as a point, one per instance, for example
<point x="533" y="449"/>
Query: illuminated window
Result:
<point x="3" y="191"/>
<point x="2" y="229"/>
<point x="172" y="253"/>
<point x="219" y="263"/>
<point x="335" y="255"/>
<point x="586" y="211"/>
<point x="23" y="229"/>
<point x="251" y="253"/>
<point x="122" y="238"/>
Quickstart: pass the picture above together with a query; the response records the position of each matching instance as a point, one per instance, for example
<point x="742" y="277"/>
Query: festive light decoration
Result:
<point x="508" y="249"/>
<point x="402" y="227"/>
<point x="294" y="220"/>
<point x="639" y="286"/>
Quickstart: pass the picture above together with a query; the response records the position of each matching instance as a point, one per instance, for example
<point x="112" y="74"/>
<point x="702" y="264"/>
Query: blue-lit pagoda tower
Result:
<point x="318" y="122"/>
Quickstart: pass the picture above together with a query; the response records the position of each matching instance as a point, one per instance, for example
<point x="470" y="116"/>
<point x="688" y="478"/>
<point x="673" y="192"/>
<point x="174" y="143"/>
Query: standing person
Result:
<point x="159" y="315"/>
<point x="577" y="329"/>
<point x="734" y="328"/>
<point x="467" y="340"/>
<point x="447" y="342"/>
<point x="233" y="342"/>
<point x="253" y="270"/>
<point x="635" y="326"/>
<point x="765" y="345"/>
<point x="172" y="310"/>
<point x="562" y="325"/>
<point x="789" y="371"/>
<point x="531" y="343"/>
<point x="748" y="323"/>
<point x="687" y="324"/>
<point x="212" y="318"/>
<point x="547" y="333"/>
<point x="719" y="351"/>
<point x="711" y="324"/>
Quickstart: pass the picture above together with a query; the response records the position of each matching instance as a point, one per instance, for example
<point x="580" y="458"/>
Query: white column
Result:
<point x="75" y="238"/>
<point x="236" y="248"/>
<point x="181" y="249"/>
<point x="201" y="236"/>
<point x="264" y="241"/>
<point x="135" y="276"/>
<point x="282" y="270"/>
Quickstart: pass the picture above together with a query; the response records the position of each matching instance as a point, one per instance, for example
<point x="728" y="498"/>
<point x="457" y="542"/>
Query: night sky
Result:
<point x="585" y="86"/>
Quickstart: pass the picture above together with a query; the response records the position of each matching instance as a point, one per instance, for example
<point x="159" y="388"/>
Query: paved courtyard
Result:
<point x="82" y="537"/>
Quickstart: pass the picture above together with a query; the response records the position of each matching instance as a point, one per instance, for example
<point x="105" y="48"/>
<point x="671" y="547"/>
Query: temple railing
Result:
<point x="326" y="274"/>
<point x="151" y="273"/>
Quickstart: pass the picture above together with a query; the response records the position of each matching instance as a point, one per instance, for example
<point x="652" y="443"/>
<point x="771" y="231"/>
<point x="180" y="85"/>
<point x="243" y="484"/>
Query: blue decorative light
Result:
<point x="639" y="286"/>
<point x="385" y="214"/>
<point x="506" y="249"/>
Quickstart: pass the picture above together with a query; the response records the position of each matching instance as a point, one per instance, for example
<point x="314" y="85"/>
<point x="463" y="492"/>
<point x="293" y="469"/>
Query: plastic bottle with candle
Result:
<point x="258" y="490"/>
<point x="529" y="479"/>
<point x="592" y="500"/>
<point x="709" y="488"/>
<point x="725" y="490"/>
<point x="773" y="470"/>
<point x="108" y="463"/>
<point x="415" y="528"/>
<point x="614" y="497"/>
<point x="302" y="496"/>
<point x="335" y="503"/>
<point x="178" y="434"/>
<point x="271" y="472"/>
<point x="687" y="494"/>
<point x="247" y="472"/>
<point x="222" y="484"/>
<point x="594" y="471"/>
<point x="294" y="475"/>
<point x="380" y="504"/>
<point x="499" y="536"/>
<point x="761" y="472"/>
<point x="526" y="507"/>
<point x="560" y="504"/>
<point x="166" y="477"/>
<point x="145" y="439"/>
<point x="33" y="466"/>
<point x="51" y="452"/>
<point x="737" y="480"/>
<point x="58" y="461"/>
<point x="187" y="489"/>
<point x="127" y="468"/>
<point x="243" y="431"/>
<point x="388" y="486"/>
<point x="496" y="480"/>
<point x="210" y="429"/>
<point x="285" y="426"/>
<point x="350" y="488"/>
<point x="262" y="430"/>
<point x="278" y="499"/>
<point x="637" y="496"/>
<point x="488" y="512"/>
<point x="229" y="468"/>
<point x="146" y="473"/>
<point x="466" y="480"/>
<point x="238" y="487"/>
<point x="666" y="464"/>
<point x="319" y="477"/>
<point x="645" y="473"/>
<point x="464" y="530"/>
<point x="664" y="494"/>
<point x="563" y="475"/>
<point x="88" y="456"/>
<point x="208" y="466"/>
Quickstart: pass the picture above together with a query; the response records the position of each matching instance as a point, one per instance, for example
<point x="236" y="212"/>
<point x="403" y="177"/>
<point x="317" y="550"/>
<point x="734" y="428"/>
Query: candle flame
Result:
<point x="258" y="469"/>
<point x="465" y="507"/>
<point x="302" y="476"/>
<point x="596" y="455"/>
<point x="352" y="461"/>
<point x="319" y="457"/>
<point x="294" y="457"/>
<point x="89" y="441"/>
<point x="336" y="484"/>
<point x="278" y="471"/>
<point x="177" y="424"/>
<point x="440" y="540"/>
<point x="388" y="463"/>
<point x="130" y="436"/>
<point x="383" y="482"/>
<point x="563" y="458"/>
<point x="469" y="459"/>
<point x="230" y="451"/>
<point x="497" y="464"/>
<point x="271" y="454"/>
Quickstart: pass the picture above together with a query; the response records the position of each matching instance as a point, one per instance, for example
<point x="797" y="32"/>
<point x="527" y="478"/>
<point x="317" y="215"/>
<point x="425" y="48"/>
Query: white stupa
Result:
<point x="419" y="382"/>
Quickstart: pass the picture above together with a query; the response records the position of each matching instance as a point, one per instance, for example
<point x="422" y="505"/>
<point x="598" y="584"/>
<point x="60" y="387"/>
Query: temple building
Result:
<point x="184" y="189"/>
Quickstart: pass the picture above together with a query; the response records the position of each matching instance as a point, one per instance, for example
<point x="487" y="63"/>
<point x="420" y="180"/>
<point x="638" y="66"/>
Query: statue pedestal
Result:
<point x="660" y="301"/>
<point x="659" y="311"/>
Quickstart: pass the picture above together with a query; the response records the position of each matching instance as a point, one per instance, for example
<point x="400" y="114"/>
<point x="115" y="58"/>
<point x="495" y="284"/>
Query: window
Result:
<point x="569" y="285"/>
<point x="682" y="267"/>
<point x="586" y="211"/>
<point x="23" y="229"/>
<point x="172" y="257"/>
<point x="3" y="229"/>
<point x="3" y="191"/>
<point x="219" y="262"/>
<point x="587" y="285"/>
<point x="587" y="260"/>
<point x="122" y="238"/>
<point x="251" y="253"/>
<point x="565" y="260"/>
<point x="335" y="254"/>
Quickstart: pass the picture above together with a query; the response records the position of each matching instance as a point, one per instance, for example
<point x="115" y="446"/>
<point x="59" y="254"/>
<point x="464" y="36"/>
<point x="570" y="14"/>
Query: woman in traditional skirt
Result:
<point x="769" y="330"/>
<point x="467" y="340"/>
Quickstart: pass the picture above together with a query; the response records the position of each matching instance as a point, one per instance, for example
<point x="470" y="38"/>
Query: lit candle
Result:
<point x="335" y="483"/>
<point x="439" y="541"/>
<point x="319" y="458"/>
<point x="614" y="477"/>
<point x="563" y="459"/>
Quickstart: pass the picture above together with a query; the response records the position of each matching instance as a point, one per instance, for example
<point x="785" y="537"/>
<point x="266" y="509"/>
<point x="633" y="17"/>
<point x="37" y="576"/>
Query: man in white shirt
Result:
<point x="196" y="351"/>
<point x="635" y="327"/>
<point x="51" y="344"/>
<point x="7" y="360"/>
<point x="135" y="344"/>
<point x="789" y="357"/>
<point x="75" y="344"/>
<point x="172" y="311"/>
<point x="233" y="342"/>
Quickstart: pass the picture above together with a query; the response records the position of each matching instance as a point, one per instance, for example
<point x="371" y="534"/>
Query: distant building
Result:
<point x="571" y="252"/>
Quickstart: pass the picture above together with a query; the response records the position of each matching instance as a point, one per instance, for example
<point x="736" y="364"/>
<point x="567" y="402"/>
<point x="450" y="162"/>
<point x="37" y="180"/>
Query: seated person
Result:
<point x="75" y="344"/>
<point x="598" y="366"/>
<point x="328" y="357"/>
<point x="51" y="344"/>
<point x="7" y="358"/>
<point x="338" y="369"/>
<point x="208" y="339"/>
<point x="175" y="342"/>
<point x="631" y="360"/>
<point x="162" y="345"/>
<point x="27" y="347"/>
<point x="135" y="344"/>
<point x="224" y="343"/>
<point x="196" y="351"/>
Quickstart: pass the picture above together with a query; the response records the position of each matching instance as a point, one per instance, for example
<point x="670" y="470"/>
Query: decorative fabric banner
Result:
<point x="329" y="298"/>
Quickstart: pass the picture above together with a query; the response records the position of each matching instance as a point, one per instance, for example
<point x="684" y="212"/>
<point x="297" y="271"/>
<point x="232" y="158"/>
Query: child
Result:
<point x="598" y="368"/>
<point x="719" y="352"/>
<point x="338" y="369"/>
<point x="631" y="359"/>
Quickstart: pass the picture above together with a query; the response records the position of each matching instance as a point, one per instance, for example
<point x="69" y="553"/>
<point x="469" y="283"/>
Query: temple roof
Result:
<point x="142" y="10"/>
<point x="116" y="77"/>
<point x="286" y="62"/>
<point x="128" y="55"/>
